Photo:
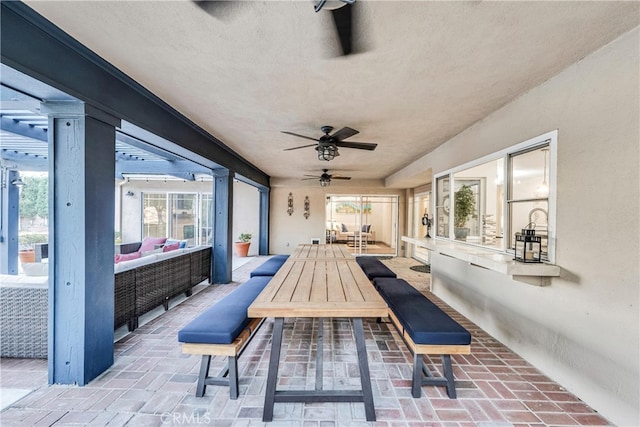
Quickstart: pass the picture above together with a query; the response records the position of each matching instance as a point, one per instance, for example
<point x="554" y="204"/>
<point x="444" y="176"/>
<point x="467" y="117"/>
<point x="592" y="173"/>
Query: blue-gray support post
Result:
<point x="9" y="223"/>
<point x="222" y="225"/>
<point x="263" y="244"/>
<point x="81" y="248"/>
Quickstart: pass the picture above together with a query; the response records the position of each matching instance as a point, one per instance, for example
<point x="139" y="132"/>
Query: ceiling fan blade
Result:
<point x="302" y="146"/>
<point x="343" y="19"/>
<point x="344" y="133"/>
<point x="312" y="176"/>
<point x="306" y="179"/>
<point x="340" y="177"/>
<point x="299" y="136"/>
<point x="359" y="145"/>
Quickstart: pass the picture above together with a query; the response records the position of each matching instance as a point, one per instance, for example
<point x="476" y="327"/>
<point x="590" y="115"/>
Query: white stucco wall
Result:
<point x="583" y="330"/>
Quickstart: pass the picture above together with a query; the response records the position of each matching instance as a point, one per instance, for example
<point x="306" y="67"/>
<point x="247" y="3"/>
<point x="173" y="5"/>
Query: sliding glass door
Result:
<point x="368" y="224"/>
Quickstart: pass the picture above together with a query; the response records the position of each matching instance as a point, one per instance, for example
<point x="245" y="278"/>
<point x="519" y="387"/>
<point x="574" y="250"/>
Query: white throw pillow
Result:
<point x="35" y="269"/>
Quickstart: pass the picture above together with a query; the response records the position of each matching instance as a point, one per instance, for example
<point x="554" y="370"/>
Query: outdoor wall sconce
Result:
<point x="528" y="246"/>
<point x="306" y="207"/>
<point x="129" y="193"/>
<point x="290" y="204"/>
<point x="18" y="182"/>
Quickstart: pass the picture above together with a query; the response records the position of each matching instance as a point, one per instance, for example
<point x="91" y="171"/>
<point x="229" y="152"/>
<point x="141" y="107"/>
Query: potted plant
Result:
<point x="464" y="206"/>
<point x="242" y="246"/>
<point x="26" y="254"/>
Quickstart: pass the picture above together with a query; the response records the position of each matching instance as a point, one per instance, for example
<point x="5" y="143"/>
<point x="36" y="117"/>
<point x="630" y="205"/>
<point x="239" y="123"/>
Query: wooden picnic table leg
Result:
<point x="319" y="354"/>
<point x="363" y="362"/>
<point x="272" y="376"/>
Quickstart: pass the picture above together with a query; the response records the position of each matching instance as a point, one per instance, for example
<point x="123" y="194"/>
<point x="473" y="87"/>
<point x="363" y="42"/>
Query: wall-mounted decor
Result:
<point x="290" y="204"/>
<point x="306" y="207"/>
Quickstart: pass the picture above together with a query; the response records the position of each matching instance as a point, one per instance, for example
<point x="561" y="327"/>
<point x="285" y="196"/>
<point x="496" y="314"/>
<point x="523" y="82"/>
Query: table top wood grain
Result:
<point x="319" y="281"/>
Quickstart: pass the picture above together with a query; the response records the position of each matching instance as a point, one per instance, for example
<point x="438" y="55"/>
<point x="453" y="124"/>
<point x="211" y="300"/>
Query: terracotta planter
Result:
<point x="27" y="256"/>
<point x="241" y="248"/>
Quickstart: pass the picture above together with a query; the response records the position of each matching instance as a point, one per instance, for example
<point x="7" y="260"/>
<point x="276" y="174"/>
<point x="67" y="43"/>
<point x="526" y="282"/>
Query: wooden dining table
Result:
<point x="319" y="281"/>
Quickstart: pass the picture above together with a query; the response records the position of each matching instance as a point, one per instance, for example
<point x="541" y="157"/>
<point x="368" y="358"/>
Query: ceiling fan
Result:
<point x="325" y="178"/>
<point x="327" y="145"/>
<point x="342" y="12"/>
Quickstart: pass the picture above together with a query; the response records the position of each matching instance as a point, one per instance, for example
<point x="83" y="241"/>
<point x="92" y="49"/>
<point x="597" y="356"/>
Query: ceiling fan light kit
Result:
<point x="327" y="152"/>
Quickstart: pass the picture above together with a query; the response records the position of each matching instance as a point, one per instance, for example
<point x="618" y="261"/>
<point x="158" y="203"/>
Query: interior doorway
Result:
<point x="367" y="224"/>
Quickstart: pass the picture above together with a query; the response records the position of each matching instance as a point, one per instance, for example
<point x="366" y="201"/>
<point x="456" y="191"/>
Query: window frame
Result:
<point x="549" y="139"/>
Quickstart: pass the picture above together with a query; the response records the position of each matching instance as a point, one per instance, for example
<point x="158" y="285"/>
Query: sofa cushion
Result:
<point x="171" y="247"/>
<point x="35" y="269"/>
<point x="223" y="322"/>
<point x="270" y="267"/>
<point x="343" y="228"/>
<point x="126" y="257"/>
<point x="149" y="243"/>
<point x="366" y="228"/>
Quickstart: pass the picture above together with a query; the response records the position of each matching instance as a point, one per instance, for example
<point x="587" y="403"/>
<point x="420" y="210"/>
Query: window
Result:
<point x="499" y="195"/>
<point x="181" y="216"/>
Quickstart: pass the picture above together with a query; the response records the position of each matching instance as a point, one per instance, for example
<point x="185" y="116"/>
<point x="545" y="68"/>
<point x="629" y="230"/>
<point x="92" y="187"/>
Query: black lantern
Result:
<point x="528" y="246"/>
<point x="428" y="222"/>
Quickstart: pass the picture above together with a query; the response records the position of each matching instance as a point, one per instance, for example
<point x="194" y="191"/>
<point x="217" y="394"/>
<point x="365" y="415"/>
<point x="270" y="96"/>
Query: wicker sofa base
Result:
<point x="24" y="307"/>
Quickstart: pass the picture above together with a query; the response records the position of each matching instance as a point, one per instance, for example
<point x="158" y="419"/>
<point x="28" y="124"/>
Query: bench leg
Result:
<point x="448" y="374"/>
<point x="202" y="377"/>
<point x="418" y="364"/>
<point x="233" y="377"/>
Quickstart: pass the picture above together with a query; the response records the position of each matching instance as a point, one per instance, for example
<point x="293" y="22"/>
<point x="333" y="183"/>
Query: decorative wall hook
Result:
<point x="290" y="204"/>
<point x="306" y="207"/>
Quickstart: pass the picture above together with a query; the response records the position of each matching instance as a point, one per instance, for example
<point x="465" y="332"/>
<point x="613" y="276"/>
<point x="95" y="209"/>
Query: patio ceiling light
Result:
<point x="327" y="151"/>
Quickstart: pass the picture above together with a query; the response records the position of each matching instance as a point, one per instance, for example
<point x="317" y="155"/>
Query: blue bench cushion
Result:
<point x="373" y="267"/>
<point x="424" y="321"/>
<point x="223" y="322"/>
<point x="270" y="267"/>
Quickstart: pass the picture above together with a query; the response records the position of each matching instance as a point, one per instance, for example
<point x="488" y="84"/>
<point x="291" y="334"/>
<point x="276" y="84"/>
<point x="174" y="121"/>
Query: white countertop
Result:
<point x="500" y="262"/>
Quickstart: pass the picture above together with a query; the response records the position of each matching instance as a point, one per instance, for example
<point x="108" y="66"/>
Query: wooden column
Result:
<point x="9" y="223"/>
<point x="81" y="241"/>
<point x="222" y="225"/>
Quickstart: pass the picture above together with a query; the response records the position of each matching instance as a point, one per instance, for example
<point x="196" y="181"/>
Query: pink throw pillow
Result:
<point x="149" y="243"/>
<point x="171" y="247"/>
<point x="126" y="257"/>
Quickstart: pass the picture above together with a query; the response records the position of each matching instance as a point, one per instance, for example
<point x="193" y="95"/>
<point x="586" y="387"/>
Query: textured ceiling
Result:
<point x="246" y="71"/>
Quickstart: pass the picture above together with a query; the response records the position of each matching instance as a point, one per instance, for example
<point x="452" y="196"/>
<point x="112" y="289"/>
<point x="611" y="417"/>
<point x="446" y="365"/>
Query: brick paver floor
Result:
<point x="152" y="383"/>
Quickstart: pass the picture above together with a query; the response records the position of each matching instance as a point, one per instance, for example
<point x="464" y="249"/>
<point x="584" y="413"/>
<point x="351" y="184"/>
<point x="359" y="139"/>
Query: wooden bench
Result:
<point x="426" y="329"/>
<point x="373" y="267"/>
<point x="224" y="329"/>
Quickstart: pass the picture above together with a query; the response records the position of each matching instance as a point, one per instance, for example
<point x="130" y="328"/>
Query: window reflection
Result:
<point x="486" y="222"/>
<point x="443" y="206"/>
<point x="529" y="200"/>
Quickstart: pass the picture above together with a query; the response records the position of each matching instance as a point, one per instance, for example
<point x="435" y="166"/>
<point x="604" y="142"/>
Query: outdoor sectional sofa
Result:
<point x="140" y="285"/>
